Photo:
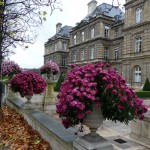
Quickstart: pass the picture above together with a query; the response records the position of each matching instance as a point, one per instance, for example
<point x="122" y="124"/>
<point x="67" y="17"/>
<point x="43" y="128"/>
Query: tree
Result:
<point x="19" y="20"/>
<point x="58" y="84"/>
<point x="146" y="86"/>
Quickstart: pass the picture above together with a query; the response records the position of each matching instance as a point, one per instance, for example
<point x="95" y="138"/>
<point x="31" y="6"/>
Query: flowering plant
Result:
<point x="28" y="83"/>
<point x="10" y="68"/>
<point x="49" y="67"/>
<point x="101" y="85"/>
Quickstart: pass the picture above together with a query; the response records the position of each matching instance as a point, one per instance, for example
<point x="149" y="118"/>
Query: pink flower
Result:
<point x="80" y="116"/>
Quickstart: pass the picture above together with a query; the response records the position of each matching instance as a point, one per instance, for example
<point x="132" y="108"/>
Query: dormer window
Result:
<point x="92" y="33"/>
<point x="138" y="15"/>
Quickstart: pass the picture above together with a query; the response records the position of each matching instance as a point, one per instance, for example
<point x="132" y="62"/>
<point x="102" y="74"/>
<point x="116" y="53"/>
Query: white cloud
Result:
<point x="73" y="12"/>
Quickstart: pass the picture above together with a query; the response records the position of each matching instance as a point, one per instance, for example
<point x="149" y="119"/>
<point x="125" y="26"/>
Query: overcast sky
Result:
<point x="73" y="11"/>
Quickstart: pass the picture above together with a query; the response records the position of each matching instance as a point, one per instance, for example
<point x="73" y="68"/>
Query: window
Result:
<point x="82" y="55"/>
<point x="116" y="54"/>
<point x="138" y="45"/>
<point x="63" y="73"/>
<point x="55" y="47"/>
<point x="63" y="61"/>
<point x="116" y="33"/>
<point x="138" y="15"/>
<point x="74" y="56"/>
<point x="106" y="32"/>
<point x="82" y="35"/>
<point x="106" y="53"/>
<point x="54" y="58"/>
<point x="137" y="74"/>
<point x="75" y="39"/>
<point x="92" y="53"/>
<point x="64" y="46"/>
<point x="92" y="33"/>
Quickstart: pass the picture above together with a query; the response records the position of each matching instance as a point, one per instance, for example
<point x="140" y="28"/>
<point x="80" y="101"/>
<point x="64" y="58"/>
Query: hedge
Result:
<point x="143" y="94"/>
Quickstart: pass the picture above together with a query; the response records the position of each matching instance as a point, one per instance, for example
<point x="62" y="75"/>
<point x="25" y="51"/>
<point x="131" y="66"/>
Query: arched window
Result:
<point x="137" y="74"/>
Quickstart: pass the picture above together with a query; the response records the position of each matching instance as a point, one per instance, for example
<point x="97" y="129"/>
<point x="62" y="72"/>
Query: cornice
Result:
<point x="136" y="26"/>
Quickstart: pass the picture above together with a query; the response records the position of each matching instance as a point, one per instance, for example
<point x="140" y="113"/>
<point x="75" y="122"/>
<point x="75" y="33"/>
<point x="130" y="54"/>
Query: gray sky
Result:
<point x="73" y="11"/>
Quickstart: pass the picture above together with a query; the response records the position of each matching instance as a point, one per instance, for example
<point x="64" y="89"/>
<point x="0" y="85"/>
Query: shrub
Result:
<point x="146" y="86"/>
<point x="58" y="84"/>
<point x="143" y="94"/>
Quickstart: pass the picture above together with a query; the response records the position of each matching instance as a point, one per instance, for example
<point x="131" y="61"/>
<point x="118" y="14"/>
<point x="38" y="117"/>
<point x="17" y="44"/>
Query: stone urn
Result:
<point x="28" y="103"/>
<point x="92" y="140"/>
<point x="94" y="120"/>
<point x="28" y="97"/>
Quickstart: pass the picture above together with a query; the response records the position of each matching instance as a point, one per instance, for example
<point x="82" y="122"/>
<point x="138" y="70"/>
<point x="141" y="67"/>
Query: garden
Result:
<point x="90" y="94"/>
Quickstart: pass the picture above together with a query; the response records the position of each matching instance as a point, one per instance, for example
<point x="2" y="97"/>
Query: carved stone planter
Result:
<point x="92" y="140"/>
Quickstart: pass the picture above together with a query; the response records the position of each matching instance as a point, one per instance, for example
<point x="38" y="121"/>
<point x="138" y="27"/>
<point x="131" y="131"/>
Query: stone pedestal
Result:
<point x="49" y="96"/>
<point x="28" y="105"/>
<point x="92" y="142"/>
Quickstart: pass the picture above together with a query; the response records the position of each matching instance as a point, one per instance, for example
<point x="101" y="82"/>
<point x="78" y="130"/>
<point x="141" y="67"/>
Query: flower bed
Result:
<point x="102" y="85"/>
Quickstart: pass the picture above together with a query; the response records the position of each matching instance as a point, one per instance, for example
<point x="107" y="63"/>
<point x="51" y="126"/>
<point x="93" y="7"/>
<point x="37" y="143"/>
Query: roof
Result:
<point x="64" y="32"/>
<point x="105" y="10"/>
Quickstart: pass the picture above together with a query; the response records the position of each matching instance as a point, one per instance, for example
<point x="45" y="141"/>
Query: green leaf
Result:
<point x="37" y="142"/>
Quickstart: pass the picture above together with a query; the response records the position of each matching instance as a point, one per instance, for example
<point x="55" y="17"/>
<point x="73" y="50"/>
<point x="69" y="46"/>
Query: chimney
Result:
<point x="58" y="27"/>
<point x="91" y="6"/>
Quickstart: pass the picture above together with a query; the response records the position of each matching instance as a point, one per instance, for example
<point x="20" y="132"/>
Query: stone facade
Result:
<point x="125" y="46"/>
<point x="136" y="51"/>
<point x="56" y="49"/>
<point x="108" y="34"/>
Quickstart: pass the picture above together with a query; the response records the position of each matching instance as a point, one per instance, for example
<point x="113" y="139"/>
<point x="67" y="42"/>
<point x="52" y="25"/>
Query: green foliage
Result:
<point x="146" y="86"/>
<point x="143" y="94"/>
<point x="58" y="84"/>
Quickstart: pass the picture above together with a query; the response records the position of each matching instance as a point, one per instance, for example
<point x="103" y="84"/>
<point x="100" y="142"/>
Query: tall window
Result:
<point x="55" y="47"/>
<point x="75" y="39"/>
<point x="63" y="61"/>
<point x="116" y="54"/>
<point x="82" y="55"/>
<point x="138" y="45"/>
<point x="92" y="33"/>
<point x="92" y="53"/>
<point x="64" y="46"/>
<point x="106" y="32"/>
<point x="106" y="53"/>
<point x="138" y="15"/>
<point x="117" y="33"/>
<point x="137" y="74"/>
<point x="54" y="59"/>
<point x="82" y="35"/>
<point x="74" y="56"/>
